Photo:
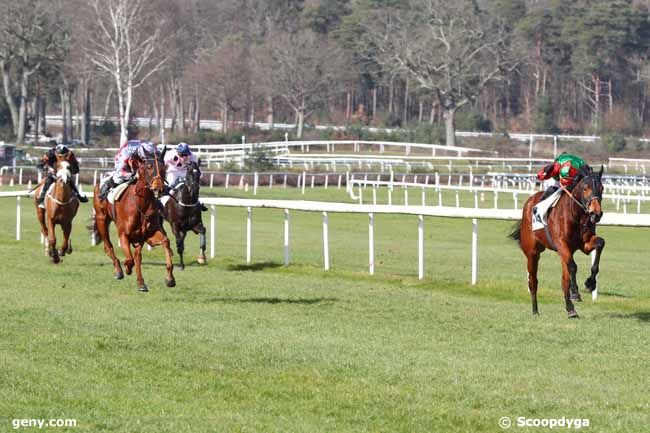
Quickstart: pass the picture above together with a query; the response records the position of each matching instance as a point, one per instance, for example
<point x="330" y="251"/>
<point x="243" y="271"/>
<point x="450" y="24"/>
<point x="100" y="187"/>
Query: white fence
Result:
<point x="609" y="219"/>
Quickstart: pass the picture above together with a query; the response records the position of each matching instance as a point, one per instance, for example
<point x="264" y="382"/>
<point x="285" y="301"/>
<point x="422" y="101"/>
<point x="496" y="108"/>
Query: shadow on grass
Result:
<point x="274" y="300"/>
<point x="255" y="266"/>
<point x="615" y="295"/>
<point x="641" y="316"/>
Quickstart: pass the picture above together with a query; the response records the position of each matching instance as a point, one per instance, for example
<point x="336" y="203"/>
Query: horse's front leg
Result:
<point x="595" y="244"/>
<point x="51" y="242"/>
<point x="66" y="248"/>
<point x="180" y="244"/>
<point x="129" y="262"/>
<point x="569" y="269"/>
<point x="138" y="268"/>
<point x="200" y="229"/>
<point x="533" y="261"/>
<point x="160" y="238"/>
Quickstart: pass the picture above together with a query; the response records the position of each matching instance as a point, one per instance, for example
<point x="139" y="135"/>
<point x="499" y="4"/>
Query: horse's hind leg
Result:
<point x="533" y="261"/>
<point x="597" y="244"/>
<point x="138" y="268"/>
<point x="40" y="215"/>
<point x="102" y="228"/>
<point x="200" y="229"/>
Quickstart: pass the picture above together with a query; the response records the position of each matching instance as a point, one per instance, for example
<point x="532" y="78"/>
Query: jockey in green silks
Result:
<point x="563" y="170"/>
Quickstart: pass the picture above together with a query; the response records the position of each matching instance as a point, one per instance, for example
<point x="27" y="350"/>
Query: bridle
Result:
<point x="150" y="179"/>
<point x="189" y="184"/>
<point x="588" y="179"/>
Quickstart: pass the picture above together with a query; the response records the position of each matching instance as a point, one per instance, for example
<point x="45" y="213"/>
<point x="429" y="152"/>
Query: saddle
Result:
<point x="115" y="193"/>
<point x="541" y="210"/>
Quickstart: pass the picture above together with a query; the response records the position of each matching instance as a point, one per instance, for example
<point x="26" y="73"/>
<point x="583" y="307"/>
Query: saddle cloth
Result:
<point x="540" y="211"/>
<point x="115" y="194"/>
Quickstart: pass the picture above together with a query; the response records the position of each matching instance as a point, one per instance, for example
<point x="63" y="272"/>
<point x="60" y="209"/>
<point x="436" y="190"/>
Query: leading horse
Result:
<point x="571" y="227"/>
<point x="137" y="218"/>
<point x="183" y="212"/>
<point x="61" y="205"/>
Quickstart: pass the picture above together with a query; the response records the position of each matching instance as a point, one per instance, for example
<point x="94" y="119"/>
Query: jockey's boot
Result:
<point x="550" y="190"/>
<point x="41" y="196"/>
<point x="106" y="187"/>
<point x="80" y="197"/>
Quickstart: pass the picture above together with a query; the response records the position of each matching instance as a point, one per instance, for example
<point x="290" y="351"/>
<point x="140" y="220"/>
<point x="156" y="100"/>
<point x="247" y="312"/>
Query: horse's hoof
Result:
<point x="69" y="251"/>
<point x="575" y="297"/>
<point x="128" y="270"/>
<point x="143" y="288"/>
<point x="590" y="284"/>
<point x="201" y="260"/>
<point x="119" y="275"/>
<point x="181" y="267"/>
<point x="61" y="253"/>
<point x="573" y="314"/>
<point x="170" y="283"/>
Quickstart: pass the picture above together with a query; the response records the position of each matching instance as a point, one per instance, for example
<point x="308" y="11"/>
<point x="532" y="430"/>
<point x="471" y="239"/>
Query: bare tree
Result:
<point x="448" y="48"/>
<point x="32" y="35"/>
<point x="125" y="46"/>
<point x="304" y="69"/>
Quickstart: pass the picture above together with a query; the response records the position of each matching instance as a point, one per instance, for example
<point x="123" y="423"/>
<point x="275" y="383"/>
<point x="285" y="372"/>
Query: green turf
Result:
<point x="267" y="348"/>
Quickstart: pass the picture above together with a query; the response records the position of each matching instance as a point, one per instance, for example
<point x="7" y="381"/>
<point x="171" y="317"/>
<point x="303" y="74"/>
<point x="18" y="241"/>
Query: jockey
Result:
<point x="123" y="164"/>
<point x="176" y="162"/>
<point x="48" y="165"/>
<point x="564" y="171"/>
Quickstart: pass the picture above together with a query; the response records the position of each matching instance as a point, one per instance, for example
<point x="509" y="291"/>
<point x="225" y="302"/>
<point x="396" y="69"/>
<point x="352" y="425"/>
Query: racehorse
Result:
<point x="183" y="212"/>
<point x="571" y="227"/>
<point x="138" y="220"/>
<point x="61" y="206"/>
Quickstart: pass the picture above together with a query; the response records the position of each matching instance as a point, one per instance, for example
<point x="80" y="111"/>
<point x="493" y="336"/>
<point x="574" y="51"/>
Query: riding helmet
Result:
<point x="183" y="149"/>
<point x="61" y="149"/>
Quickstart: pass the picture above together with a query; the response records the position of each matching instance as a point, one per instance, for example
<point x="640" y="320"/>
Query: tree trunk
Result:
<point x="181" y="108"/>
<point x="374" y="103"/>
<point x="420" y="111"/>
<point x="450" y="127"/>
<point x="269" y="111"/>
<point x="348" y="107"/>
<point x="107" y="103"/>
<point x="161" y="121"/>
<point x="172" y="104"/>
<point x="197" y="110"/>
<point x="224" y="119"/>
<point x="64" y="115"/>
<point x="301" y="122"/>
<point x="9" y="96"/>
<point x="406" y="103"/>
<point x="87" y="107"/>
<point x="391" y="94"/>
<point x="610" y="95"/>
<point x="37" y="114"/>
<point x="432" y="116"/>
<point x="43" y="111"/>
<point x="22" y="110"/>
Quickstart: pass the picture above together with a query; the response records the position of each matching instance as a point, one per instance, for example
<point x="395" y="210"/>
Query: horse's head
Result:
<point x="589" y="192"/>
<point x="151" y="169"/>
<point x="193" y="179"/>
<point x="63" y="173"/>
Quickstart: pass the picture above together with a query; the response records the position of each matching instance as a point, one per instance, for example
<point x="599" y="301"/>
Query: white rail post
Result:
<point x="496" y="199"/>
<point x="213" y="229"/>
<point x="20" y="176"/>
<point x="286" y="237"/>
<point x="18" y="218"/>
<point x="594" y="294"/>
<point x="474" y="250"/>
<point x="271" y="181"/>
<point x="554" y="146"/>
<point x="420" y="247"/>
<point x="457" y="199"/>
<point x="374" y="194"/>
<point x="424" y="197"/>
<point x="304" y="179"/>
<point x="249" y="235"/>
<point x="211" y="180"/>
<point x="326" y="242"/>
<point x="255" y="181"/>
<point x="406" y="196"/>
<point x="390" y="196"/>
<point x="371" y="243"/>
<point x="327" y="180"/>
<point x="339" y="182"/>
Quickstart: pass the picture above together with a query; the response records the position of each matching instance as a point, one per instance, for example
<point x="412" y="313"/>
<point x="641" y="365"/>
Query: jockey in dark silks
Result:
<point x="565" y="170"/>
<point x="48" y="165"/>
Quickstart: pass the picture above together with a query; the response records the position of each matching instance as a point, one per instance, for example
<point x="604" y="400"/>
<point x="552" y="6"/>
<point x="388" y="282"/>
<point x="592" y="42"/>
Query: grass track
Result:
<point x="297" y="349"/>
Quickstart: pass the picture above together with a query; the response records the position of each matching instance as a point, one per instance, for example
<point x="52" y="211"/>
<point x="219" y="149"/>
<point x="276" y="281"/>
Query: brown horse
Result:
<point x="183" y="212"/>
<point x="571" y="227"/>
<point x="61" y="206"/>
<point x="137" y="218"/>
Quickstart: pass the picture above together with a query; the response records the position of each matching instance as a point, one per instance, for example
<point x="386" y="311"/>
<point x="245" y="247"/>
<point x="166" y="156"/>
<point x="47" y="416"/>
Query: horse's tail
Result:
<point x="516" y="232"/>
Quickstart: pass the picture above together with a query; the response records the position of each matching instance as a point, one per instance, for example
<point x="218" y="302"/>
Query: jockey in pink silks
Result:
<point x="176" y="163"/>
<point x="123" y="172"/>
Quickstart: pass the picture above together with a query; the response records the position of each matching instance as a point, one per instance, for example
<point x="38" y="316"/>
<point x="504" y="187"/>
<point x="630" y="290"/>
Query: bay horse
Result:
<point x="183" y="212"/>
<point x="61" y="205"/>
<point x="138" y="220"/>
<point x="571" y="227"/>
